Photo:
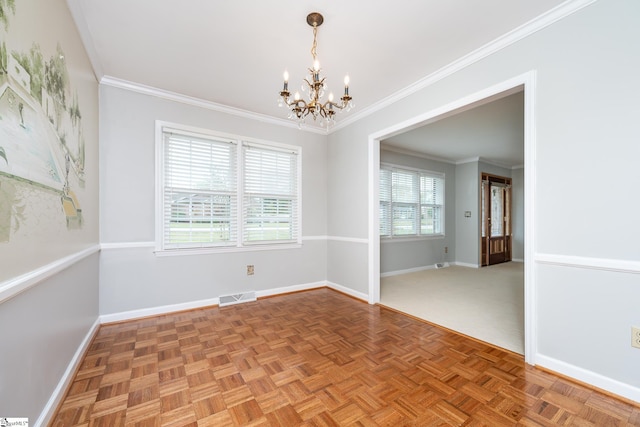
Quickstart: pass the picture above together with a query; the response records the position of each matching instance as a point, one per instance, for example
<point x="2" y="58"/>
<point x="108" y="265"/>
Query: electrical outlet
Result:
<point x="446" y="249"/>
<point x="635" y="336"/>
<point x="249" y="270"/>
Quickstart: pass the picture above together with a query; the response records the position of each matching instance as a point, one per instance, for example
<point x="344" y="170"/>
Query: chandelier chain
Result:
<point x="314" y="47"/>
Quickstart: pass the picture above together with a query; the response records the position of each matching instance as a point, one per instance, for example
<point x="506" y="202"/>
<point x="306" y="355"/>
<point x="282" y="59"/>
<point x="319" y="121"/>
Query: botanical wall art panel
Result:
<point x="48" y="125"/>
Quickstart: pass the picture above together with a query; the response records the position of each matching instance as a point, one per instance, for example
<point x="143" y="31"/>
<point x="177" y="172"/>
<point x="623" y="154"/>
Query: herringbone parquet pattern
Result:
<point x="315" y="358"/>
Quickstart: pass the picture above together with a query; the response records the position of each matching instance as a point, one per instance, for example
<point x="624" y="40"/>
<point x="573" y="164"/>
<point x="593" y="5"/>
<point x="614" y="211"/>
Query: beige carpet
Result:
<point x="485" y="303"/>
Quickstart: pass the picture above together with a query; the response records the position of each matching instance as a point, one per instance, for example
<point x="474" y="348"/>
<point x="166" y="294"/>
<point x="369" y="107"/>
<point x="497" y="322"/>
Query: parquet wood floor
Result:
<point x="316" y="358"/>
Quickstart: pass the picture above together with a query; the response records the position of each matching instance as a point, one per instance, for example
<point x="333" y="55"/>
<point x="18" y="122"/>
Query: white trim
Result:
<point x="374" y="219"/>
<point x="202" y="103"/>
<point x="592" y="378"/>
<point x="517" y="260"/>
<point x="400" y="150"/>
<point x="614" y="265"/>
<point x="527" y="80"/>
<point x="311" y="238"/>
<point x="226" y="249"/>
<point x="405" y="239"/>
<point x="126" y="245"/>
<point x="290" y="289"/>
<point x="407" y="271"/>
<point x="348" y="291"/>
<point x="494" y="163"/>
<point x="563" y="10"/>
<point x="434" y="174"/>
<point x="136" y="245"/>
<point x="75" y="7"/>
<point x="16" y="285"/>
<point x="191" y="305"/>
<point x="58" y="394"/>
<point x="465" y="264"/>
<point x="348" y="239"/>
<point x="154" y="311"/>
<point x="469" y="160"/>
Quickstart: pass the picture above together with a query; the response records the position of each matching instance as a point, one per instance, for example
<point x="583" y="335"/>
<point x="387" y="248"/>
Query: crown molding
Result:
<point x="202" y="103"/>
<point x="494" y="163"/>
<point x="407" y="152"/>
<point x="554" y="15"/>
<point x="75" y="7"/>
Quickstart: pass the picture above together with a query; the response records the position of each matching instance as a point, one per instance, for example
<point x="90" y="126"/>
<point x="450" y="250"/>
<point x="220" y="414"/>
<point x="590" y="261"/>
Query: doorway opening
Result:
<point x="525" y="83"/>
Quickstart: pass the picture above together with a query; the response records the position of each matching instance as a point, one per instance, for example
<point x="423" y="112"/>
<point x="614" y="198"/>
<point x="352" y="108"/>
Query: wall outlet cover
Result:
<point x="635" y="336"/>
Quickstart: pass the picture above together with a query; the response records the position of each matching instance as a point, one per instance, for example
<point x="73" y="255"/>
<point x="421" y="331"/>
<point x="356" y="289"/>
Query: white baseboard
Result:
<point x="289" y="289"/>
<point x="464" y="264"/>
<point x="600" y="381"/>
<point x="172" y="308"/>
<point x="348" y="291"/>
<point x="408" y="270"/>
<point x="58" y="394"/>
<point x="155" y="311"/>
<point x="517" y="260"/>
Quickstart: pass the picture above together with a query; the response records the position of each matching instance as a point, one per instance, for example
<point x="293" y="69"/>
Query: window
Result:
<point x="225" y="192"/>
<point x="270" y="194"/>
<point x="411" y="202"/>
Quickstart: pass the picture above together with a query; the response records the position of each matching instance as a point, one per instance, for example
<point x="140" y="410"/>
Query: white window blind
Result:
<point x="411" y="202"/>
<point x="219" y="192"/>
<point x="200" y="195"/>
<point x="385" y="202"/>
<point x="270" y="194"/>
<point x="431" y="204"/>
<point x="405" y="197"/>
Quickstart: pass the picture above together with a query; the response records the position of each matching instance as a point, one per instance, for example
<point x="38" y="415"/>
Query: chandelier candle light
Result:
<point x="316" y="87"/>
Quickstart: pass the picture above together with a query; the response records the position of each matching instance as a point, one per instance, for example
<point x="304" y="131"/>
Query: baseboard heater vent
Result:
<point x="442" y="264"/>
<point x="237" y="298"/>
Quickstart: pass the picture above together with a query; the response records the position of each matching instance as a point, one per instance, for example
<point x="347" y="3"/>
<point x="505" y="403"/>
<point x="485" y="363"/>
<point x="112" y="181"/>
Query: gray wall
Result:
<point x="49" y="274"/>
<point x="586" y="283"/>
<point x="467" y="229"/>
<point x="132" y="277"/>
<point x="399" y="254"/>
<point x="517" y="214"/>
<point x="586" y="115"/>
<point x="462" y="233"/>
<point x="41" y="330"/>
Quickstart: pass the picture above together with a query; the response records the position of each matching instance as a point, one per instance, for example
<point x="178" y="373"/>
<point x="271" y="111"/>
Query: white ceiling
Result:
<point x="492" y="131"/>
<point x="234" y="52"/>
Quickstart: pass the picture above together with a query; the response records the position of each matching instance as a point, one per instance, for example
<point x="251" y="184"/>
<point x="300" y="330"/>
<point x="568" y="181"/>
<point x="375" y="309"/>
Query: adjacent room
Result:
<point x="308" y="213"/>
<point x="430" y="262"/>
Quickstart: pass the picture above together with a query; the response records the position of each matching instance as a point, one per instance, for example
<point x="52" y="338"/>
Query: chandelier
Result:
<point x="315" y="87"/>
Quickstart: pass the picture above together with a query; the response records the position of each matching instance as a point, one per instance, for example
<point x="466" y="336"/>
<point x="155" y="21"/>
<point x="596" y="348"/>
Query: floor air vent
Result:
<point x="442" y="264"/>
<point x="237" y="298"/>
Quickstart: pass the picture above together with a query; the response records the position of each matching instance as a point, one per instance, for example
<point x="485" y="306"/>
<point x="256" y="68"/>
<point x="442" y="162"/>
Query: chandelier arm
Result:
<point x="314" y="107"/>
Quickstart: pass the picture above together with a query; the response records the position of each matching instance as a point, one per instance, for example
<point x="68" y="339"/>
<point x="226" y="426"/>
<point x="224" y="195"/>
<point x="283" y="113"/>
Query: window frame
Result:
<point x="417" y="206"/>
<point x="240" y="142"/>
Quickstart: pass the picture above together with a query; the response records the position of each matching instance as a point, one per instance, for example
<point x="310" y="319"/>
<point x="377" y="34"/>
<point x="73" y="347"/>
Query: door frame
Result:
<point x="485" y="251"/>
<point x="526" y="81"/>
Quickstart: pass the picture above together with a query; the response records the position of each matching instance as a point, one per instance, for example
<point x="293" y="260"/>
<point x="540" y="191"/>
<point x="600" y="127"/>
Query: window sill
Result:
<point x="224" y="250"/>
<point x="410" y="238"/>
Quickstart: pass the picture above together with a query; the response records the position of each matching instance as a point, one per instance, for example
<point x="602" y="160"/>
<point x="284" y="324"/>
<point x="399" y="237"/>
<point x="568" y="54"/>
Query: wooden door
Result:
<point x="496" y="219"/>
